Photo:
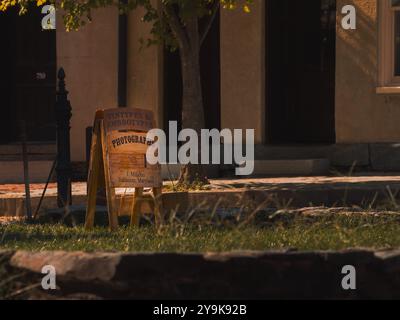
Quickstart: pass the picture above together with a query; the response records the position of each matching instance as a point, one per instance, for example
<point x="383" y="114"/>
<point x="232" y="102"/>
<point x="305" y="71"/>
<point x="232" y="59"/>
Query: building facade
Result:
<point x="289" y="70"/>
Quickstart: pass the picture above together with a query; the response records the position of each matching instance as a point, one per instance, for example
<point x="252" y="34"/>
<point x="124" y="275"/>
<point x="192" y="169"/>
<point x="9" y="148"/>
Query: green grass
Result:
<point x="303" y="233"/>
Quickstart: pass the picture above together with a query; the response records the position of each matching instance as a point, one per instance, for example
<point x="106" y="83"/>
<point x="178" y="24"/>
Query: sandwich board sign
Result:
<point x="118" y="160"/>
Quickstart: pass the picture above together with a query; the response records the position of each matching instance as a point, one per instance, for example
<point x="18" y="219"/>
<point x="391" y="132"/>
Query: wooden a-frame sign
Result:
<point x="118" y="160"/>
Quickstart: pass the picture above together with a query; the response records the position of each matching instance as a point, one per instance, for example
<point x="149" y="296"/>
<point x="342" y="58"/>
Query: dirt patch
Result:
<point x="9" y="220"/>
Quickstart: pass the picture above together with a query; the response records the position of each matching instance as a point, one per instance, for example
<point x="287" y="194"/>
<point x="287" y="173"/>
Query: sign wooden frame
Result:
<point x="99" y="176"/>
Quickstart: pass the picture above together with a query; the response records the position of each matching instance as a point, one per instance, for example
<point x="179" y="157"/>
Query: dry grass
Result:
<point x="305" y="229"/>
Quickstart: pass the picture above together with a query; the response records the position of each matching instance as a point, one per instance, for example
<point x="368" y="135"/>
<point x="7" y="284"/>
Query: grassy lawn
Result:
<point x="331" y="232"/>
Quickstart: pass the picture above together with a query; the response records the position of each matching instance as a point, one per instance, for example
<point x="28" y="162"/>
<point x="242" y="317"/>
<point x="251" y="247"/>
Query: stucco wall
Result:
<point x="89" y="58"/>
<point x="145" y="76"/>
<point x="362" y="116"/>
<point x="243" y="69"/>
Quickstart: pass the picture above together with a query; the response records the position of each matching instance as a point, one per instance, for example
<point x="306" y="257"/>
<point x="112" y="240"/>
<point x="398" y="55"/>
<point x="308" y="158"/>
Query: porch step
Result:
<point x="283" y="168"/>
<point x="172" y="171"/>
<point x="302" y="167"/>
<point x="31" y="157"/>
<point x="32" y="148"/>
<point x="36" y="152"/>
<point x="295" y="152"/>
<point x="13" y="171"/>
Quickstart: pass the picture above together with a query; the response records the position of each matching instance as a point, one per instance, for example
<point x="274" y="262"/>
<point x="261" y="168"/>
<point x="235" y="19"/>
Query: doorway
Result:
<point x="28" y="81"/>
<point x="300" y="49"/>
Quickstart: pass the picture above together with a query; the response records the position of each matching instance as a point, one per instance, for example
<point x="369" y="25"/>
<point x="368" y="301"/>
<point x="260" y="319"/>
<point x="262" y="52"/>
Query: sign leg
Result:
<point x="135" y="217"/>
<point x="93" y="177"/>
<point x="112" y="215"/>
<point x="110" y="191"/>
<point x="158" y="207"/>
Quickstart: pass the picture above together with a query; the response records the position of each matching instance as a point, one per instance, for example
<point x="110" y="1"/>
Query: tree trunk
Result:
<point x="192" y="103"/>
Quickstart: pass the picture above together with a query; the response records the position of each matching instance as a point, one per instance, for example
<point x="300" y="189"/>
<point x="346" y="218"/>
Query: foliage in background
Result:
<point x="162" y="16"/>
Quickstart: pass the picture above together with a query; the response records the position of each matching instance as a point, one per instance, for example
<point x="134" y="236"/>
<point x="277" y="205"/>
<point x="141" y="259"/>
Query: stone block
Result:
<point x="385" y="157"/>
<point x="347" y="155"/>
<point x="308" y="167"/>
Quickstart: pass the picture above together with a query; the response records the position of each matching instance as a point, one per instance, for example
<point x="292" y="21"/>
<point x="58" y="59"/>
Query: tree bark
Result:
<point x="192" y="100"/>
<point x="190" y="39"/>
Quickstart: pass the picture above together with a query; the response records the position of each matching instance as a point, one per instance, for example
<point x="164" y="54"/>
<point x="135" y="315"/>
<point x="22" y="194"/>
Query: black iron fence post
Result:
<point x="25" y="160"/>
<point x="63" y="168"/>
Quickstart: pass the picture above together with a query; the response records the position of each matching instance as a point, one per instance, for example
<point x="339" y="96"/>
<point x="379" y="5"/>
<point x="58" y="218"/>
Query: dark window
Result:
<point x="397" y="43"/>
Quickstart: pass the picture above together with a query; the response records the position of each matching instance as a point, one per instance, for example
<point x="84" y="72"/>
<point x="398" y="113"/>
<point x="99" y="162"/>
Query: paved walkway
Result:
<point x="365" y="181"/>
<point x="300" y="190"/>
<point x="18" y="190"/>
<point x="271" y="184"/>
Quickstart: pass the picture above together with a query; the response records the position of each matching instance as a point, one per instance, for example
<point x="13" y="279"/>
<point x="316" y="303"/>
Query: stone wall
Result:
<point x="243" y="275"/>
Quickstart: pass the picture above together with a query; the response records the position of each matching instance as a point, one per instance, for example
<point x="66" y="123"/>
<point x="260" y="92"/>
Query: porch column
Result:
<point x="144" y="76"/>
<point x="243" y="69"/>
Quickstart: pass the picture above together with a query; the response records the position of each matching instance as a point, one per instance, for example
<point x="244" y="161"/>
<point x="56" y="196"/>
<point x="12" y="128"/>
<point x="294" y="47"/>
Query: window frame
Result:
<point x="388" y="81"/>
